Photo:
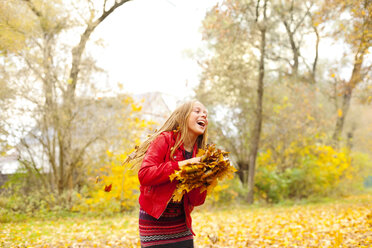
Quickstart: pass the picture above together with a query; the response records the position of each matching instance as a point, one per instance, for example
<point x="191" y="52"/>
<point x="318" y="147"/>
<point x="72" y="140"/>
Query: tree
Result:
<point x="256" y="47"/>
<point x="297" y="19"/>
<point x="354" y="28"/>
<point x="262" y="26"/>
<point x="56" y="80"/>
<point x="233" y="71"/>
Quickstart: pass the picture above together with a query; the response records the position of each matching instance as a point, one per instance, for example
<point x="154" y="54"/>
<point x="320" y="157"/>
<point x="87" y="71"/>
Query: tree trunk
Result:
<point x="258" y="120"/>
<point x="243" y="172"/>
<point x="355" y="79"/>
<point x="346" y="97"/>
<point x="65" y="136"/>
<point x="341" y="116"/>
<point x="313" y="73"/>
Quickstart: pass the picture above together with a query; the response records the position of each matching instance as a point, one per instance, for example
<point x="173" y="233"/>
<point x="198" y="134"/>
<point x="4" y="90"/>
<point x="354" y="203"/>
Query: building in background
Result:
<point x="156" y="106"/>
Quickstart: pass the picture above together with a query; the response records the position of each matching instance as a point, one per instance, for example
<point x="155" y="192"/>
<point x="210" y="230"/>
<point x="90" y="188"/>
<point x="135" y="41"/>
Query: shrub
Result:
<point x="316" y="170"/>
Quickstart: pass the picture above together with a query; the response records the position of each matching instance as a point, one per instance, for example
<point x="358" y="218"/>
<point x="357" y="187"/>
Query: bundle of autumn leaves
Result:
<point x="214" y="166"/>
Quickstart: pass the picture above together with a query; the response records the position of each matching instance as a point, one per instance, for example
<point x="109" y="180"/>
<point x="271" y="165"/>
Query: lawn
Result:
<point x="346" y="223"/>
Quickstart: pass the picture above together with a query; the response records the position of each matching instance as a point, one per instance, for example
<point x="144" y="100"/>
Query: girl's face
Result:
<point x="198" y="121"/>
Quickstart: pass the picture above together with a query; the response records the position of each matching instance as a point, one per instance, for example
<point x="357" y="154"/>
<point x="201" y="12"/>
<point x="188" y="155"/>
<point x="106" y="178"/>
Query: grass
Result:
<point x="343" y="222"/>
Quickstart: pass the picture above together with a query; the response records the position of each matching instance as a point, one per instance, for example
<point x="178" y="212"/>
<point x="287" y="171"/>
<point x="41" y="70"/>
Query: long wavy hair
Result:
<point x="176" y="122"/>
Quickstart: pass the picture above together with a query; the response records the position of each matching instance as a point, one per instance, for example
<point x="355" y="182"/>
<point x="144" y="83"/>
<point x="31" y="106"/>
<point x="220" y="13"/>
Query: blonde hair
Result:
<point x="176" y="122"/>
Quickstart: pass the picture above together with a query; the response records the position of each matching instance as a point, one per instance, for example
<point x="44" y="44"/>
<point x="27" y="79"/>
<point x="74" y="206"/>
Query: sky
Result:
<point x="146" y="44"/>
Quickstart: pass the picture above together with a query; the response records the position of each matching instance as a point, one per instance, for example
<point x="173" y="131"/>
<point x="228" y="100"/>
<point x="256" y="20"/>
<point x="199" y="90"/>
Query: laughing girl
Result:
<point x="164" y="223"/>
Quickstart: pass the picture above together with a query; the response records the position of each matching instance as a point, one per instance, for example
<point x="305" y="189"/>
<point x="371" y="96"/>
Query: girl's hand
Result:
<point x="189" y="161"/>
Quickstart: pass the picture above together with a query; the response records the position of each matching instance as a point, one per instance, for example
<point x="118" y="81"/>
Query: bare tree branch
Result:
<point x="33" y="8"/>
<point x="78" y="50"/>
<point x="33" y="163"/>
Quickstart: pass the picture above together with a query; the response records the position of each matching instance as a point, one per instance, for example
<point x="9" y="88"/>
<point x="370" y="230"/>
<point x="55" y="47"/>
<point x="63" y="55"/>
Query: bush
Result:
<point x="318" y="170"/>
<point x="124" y="192"/>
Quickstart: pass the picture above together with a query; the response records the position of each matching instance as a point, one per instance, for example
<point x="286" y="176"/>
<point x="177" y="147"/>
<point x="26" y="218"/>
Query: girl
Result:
<point x="164" y="223"/>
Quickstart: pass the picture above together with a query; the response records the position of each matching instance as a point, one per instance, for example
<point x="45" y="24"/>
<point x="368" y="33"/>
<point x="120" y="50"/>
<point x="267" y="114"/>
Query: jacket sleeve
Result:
<point x="196" y="198"/>
<point x="154" y="170"/>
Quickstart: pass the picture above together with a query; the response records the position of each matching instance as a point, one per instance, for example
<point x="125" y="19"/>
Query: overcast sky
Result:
<point x="146" y="42"/>
<point x="145" y="45"/>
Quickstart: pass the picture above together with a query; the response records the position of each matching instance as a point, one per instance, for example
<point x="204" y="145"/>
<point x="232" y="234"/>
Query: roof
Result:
<point x="9" y="163"/>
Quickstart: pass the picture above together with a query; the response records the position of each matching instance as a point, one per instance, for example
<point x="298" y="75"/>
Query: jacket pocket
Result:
<point x="147" y="191"/>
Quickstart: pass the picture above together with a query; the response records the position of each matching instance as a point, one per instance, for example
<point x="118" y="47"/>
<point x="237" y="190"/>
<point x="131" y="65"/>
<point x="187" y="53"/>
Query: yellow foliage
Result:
<point x="13" y="27"/>
<point x="303" y="170"/>
<point x="136" y="108"/>
<point x="127" y="100"/>
<point x="218" y="190"/>
<point x="123" y="193"/>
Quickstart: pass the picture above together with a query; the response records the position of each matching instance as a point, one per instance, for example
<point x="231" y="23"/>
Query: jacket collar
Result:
<point x="195" y="149"/>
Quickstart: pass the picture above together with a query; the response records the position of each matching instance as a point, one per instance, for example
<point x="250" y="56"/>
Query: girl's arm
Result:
<point x="154" y="170"/>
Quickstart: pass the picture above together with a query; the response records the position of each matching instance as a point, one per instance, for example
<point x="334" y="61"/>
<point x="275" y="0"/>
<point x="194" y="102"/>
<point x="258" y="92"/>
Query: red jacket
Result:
<point x="155" y="186"/>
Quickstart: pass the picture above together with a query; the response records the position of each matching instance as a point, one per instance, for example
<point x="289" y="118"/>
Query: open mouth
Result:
<point x="201" y="123"/>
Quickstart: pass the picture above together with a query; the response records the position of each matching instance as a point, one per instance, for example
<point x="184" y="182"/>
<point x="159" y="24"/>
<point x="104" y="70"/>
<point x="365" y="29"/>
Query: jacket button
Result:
<point x="175" y="157"/>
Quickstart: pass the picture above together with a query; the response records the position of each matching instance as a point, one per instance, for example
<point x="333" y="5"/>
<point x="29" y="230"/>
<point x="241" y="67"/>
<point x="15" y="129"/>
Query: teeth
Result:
<point x="201" y="123"/>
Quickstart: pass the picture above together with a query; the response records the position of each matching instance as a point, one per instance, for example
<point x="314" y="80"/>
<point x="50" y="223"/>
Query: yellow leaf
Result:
<point x="339" y="112"/>
<point x="136" y="108"/>
<point x="204" y="175"/>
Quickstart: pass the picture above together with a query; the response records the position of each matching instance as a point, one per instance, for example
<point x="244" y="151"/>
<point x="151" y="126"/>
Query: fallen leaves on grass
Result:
<point x="331" y="225"/>
<point x="316" y="225"/>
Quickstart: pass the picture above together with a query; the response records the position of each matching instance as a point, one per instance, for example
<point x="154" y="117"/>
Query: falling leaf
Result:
<point x="108" y="188"/>
<point x="97" y="178"/>
<point x="339" y="112"/>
